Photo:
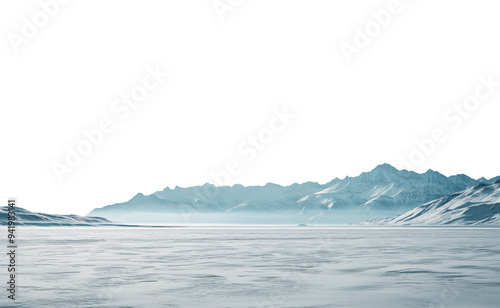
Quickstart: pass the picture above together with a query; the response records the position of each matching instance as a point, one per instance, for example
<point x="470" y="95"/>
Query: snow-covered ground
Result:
<point x="257" y="267"/>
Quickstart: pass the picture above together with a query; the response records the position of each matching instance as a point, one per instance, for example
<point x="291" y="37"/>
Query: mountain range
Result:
<point x="476" y="205"/>
<point x="383" y="192"/>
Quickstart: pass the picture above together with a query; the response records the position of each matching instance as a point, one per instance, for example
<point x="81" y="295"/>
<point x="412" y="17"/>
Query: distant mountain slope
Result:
<point x="477" y="205"/>
<point x="25" y="217"/>
<point x="382" y="190"/>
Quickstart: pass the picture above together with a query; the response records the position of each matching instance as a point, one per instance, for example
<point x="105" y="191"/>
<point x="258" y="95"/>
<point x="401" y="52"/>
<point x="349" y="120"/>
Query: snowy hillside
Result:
<point x="382" y="192"/>
<point x="25" y="217"/>
<point x="477" y="205"/>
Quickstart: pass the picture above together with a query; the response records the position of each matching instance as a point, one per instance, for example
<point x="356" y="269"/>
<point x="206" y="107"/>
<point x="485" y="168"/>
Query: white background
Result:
<point x="226" y="76"/>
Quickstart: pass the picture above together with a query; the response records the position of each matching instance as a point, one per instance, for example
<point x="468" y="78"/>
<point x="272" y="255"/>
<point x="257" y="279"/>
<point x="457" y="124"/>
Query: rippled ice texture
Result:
<point x="256" y="267"/>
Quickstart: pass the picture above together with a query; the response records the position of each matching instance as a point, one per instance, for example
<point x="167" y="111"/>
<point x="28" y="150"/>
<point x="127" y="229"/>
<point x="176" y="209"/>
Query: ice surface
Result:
<point x="257" y="267"/>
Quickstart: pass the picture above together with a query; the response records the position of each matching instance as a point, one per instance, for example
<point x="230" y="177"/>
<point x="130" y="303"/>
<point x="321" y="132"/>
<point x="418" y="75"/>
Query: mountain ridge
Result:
<point x="476" y="205"/>
<point x="383" y="189"/>
<point x="25" y="217"/>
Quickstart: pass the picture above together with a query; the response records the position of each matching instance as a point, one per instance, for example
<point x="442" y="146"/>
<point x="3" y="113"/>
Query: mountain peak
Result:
<point x="433" y="173"/>
<point x="138" y="196"/>
<point x="385" y="168"/>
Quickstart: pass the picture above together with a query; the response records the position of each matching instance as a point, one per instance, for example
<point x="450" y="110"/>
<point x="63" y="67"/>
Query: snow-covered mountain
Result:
<point x="384" y="191"/>
<point x="25" y="217"/>
<point x="477" y="205"/>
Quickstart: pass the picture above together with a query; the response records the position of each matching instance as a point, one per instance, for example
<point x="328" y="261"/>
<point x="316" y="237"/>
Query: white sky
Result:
<point x="226" y="76"/>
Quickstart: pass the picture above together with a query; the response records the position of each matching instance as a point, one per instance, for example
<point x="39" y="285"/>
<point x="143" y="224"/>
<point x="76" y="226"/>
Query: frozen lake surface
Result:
<point x="257" y="267"/>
